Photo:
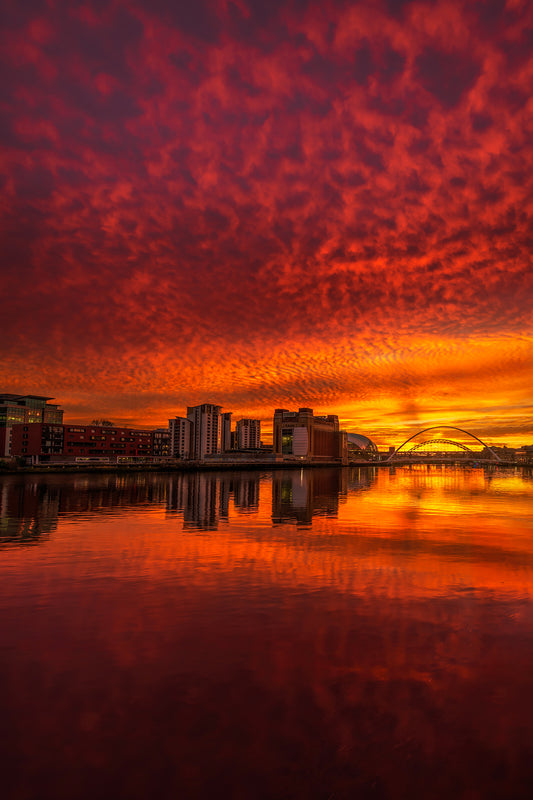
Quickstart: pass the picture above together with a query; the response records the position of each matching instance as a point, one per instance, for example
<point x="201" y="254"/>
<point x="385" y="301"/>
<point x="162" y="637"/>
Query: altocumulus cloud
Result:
<point x="204" y="199"/>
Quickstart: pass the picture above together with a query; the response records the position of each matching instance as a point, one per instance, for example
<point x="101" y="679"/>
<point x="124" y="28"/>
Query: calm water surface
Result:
<point x="301" y="634"/>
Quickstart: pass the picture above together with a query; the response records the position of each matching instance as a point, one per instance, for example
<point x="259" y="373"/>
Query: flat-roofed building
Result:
<point x="162" y="442"/>
<point x="24" y="408"/>
<point x="42" y="442"/>
<point x="180" y="437"/>
<point x="248" y="434"/>
<point x="225" y="432"/>
<point x="299" y="434"/>
<point x="206" y="434"/>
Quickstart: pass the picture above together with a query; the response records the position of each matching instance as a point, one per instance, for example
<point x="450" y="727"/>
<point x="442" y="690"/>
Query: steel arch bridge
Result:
<point x="419" y="447"/>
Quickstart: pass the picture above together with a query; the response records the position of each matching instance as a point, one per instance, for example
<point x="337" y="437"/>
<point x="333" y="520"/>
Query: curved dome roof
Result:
<point x="362" y="442"/>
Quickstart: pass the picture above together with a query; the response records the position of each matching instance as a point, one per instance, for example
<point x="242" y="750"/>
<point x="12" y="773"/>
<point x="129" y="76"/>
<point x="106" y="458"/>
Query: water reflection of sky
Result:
<point x="296" y="634"/>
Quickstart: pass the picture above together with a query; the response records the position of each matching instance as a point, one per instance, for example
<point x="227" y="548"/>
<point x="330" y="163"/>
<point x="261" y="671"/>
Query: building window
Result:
<point x="286" y="441"/>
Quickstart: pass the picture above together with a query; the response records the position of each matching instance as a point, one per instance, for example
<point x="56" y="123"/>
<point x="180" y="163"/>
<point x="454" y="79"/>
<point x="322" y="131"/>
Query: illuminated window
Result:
<point x="286" y="441"/>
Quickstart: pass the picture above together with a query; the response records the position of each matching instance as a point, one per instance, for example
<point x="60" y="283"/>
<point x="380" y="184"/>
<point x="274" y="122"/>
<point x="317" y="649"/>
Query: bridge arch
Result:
<point x="423" y="445"/>
<point x="450" y="428"/>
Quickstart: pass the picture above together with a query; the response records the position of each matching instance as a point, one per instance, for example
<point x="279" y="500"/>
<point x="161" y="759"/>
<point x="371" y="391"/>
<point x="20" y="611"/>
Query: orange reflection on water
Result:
<point x="317" y="631"/>
<point x="410" y="530"/>
<point x="400" y="533"/>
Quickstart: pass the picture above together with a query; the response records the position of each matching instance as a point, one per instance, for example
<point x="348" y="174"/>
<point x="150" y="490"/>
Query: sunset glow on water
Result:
<point x="302" y="633"/>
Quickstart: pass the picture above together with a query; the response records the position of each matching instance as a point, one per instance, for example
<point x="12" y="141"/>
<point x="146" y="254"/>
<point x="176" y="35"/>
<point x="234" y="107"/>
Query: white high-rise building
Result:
<point x="206" y="433"/>
<point x="180" y="430"/>
<point x="248" y="434"/>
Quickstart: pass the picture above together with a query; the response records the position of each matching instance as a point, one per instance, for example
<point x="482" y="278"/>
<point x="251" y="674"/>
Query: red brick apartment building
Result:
<point x="42" y="443"/>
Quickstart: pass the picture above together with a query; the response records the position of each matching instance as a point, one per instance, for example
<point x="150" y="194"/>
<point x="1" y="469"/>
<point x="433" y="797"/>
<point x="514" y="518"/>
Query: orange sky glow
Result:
<point x="266" y="205"/>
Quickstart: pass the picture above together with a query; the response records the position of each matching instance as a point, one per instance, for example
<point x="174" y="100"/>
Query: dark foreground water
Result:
<point x="315" y="634"/>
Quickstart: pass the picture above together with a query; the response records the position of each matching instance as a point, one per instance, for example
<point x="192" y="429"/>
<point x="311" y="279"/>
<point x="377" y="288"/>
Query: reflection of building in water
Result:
<point x="28" y="510"/>
<point x="31" y="507"/>
<point x="94" y="493"/>
<point x="201" y="507"/>
<point x="246" y="494"/>
<point x="204" y="498"/>
<point x="224" y="488"/>
<point x="178" y="486"/>
<point x="361" y="478"/>
<point x="299" y="495"/>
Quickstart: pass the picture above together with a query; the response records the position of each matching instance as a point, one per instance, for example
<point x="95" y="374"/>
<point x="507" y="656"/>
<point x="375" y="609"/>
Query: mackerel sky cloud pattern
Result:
<point x="262" y="204"/>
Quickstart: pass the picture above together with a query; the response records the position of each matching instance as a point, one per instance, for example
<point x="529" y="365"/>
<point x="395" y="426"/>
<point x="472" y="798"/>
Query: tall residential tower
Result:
<point x="180" y="437"/>
<point x="248" y="434"/>
<point x="206" y="433"/>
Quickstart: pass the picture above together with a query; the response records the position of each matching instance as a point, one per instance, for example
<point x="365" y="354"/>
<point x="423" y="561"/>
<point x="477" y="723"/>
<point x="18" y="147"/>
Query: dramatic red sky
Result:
<point x="262" y="203"/>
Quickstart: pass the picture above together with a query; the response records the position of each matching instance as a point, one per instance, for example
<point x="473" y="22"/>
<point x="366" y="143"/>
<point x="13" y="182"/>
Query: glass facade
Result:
<point x="18" y="409"/>
<point x="286" y="441"/>
<point x="15" y="409"/>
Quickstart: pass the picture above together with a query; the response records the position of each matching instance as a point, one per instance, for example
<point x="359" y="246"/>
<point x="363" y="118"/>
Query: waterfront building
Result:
<point x="360" y="447"/>
<point x="248" y="434"/>
<point x="180" y="437"/>
<point x="505" y="453"/>
<point x="206" y="434"/>
<point x="225" y="432"/>
<point x="24" y="408"/>
<point x="39" y="442"/>
<point x="299" y="434"/>
<point x="524" y="455"/>
<point x="162" y="442"/>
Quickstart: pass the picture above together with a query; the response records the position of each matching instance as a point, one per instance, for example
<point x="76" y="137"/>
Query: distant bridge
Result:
<point x="425" y="445"/>
<point x="422" y="446"/>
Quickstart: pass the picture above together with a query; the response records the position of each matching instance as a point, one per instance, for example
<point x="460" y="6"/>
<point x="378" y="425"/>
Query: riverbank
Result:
<point x="184" y="466"/>
<point x="224" y="466"/>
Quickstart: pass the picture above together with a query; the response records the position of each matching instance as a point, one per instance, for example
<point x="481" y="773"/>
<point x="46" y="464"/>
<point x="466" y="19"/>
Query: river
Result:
<point x="323" y="633"/>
